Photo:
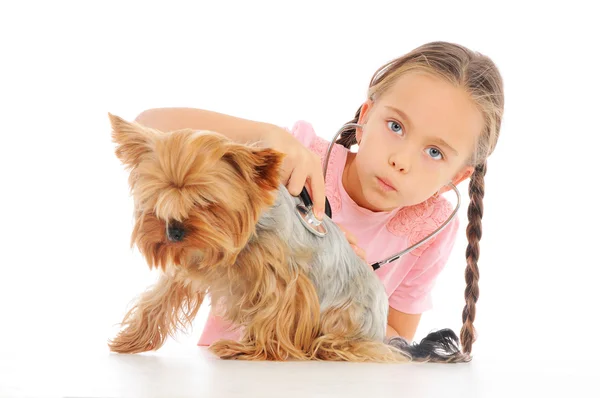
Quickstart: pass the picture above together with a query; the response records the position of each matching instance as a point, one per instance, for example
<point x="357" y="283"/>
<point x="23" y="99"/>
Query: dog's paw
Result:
<point x="229" y="349"/>
<point x="130" y="344"/>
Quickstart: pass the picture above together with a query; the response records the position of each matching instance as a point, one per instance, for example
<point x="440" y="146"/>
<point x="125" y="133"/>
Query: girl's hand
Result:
<point x="299" y="168"/>
<point x="354" y="242"/>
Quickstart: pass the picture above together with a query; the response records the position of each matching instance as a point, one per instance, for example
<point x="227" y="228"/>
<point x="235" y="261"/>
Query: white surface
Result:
<point x="67" y="273"/>
<point x="194" y="372"/>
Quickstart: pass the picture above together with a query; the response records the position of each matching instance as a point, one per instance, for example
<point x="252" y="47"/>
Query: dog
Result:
<point x="213" y="217"/>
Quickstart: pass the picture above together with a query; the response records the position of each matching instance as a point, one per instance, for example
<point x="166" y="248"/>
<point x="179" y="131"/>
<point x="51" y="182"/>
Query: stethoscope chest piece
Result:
<point x="310" y="221"/>
<point x="304" y="211"/>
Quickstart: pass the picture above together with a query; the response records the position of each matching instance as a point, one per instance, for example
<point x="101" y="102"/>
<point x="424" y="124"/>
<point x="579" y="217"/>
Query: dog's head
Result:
<point x="197" y="194"/>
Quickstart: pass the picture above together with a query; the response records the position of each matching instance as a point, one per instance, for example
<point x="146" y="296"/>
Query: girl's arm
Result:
<point x="300" y="167"/>
<point x="402" y="324"/>
<point x="237" y="129"/>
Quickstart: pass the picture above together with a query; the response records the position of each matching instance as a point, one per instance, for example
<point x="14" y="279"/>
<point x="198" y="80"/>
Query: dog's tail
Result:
<point x="441" y="346"/>
<point x="437" y="347"/>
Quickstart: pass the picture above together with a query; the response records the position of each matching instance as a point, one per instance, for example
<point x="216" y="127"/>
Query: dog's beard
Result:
<point x="202" y="244"/>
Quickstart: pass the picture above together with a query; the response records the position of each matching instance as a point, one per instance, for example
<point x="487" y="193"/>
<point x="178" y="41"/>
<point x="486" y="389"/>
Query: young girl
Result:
<point x="431" y="118"/>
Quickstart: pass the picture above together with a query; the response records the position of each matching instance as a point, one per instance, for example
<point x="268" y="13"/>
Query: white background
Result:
<point x="67" y="272"/>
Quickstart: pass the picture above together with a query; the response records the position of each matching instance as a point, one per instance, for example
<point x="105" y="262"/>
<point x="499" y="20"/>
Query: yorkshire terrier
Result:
<point x="212" y="215"/>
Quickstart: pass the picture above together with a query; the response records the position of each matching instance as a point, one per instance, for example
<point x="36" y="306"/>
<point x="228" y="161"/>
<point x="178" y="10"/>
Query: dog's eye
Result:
<point x="175" y="231"/>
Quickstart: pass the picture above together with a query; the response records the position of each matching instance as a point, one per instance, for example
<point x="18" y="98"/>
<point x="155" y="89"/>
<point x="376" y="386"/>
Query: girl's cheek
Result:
<point x="430" y="163"/>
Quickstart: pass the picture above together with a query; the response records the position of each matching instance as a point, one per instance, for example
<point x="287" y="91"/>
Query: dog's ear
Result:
<point x="268" y="162"/>
<point x="260" y="165"/>
<point x="132" y="139"/>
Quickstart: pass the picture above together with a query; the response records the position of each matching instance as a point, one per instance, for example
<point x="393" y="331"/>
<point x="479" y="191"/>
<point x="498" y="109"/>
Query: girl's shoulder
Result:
<point x="304" y="132"/>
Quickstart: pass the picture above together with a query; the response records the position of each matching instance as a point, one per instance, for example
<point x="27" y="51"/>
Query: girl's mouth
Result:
<point x="385" y="184"/>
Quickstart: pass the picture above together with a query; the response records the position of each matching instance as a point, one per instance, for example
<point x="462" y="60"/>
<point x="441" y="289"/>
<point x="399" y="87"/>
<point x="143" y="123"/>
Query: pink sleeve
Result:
<point x="303" y="132"/>
<point x="413" y="295"/>
<point x="217" y="328"/>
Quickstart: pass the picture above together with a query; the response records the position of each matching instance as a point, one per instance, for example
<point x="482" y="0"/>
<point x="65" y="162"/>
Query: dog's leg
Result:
<point x="283" y="326"/>
<point x="166" y="307"/>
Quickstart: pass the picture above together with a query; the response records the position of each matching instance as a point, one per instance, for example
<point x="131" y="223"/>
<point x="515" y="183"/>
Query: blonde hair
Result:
<point x="480" y="78"/>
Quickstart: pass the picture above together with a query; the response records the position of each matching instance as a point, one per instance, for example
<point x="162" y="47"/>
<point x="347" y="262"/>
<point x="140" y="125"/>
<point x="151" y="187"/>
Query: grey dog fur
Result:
<point x="339" y="275"/>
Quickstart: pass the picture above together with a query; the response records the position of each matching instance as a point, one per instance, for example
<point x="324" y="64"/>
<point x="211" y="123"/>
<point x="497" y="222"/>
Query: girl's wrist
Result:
<point x="272" y="136"/>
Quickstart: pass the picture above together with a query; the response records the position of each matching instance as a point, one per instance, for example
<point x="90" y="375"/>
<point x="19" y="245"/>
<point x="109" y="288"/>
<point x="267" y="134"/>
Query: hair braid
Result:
<point x="348" y="137"/>
<point x="474" y="214"/>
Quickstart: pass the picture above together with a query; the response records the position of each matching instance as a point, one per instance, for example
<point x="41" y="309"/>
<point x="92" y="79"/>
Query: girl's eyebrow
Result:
<point x="405" y="117"/>
<point x="402" y="115"/>
<point x="441" y="142"/>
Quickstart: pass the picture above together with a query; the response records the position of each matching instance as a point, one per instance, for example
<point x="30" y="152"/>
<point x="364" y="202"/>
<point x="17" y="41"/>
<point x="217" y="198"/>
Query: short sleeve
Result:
<point x="217" y="328"/>
<point x="303" y="132"/>
<point x="413" y="294"/>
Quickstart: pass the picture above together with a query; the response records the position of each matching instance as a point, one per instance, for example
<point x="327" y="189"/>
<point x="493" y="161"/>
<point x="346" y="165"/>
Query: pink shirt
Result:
<point x="410" y="279"/>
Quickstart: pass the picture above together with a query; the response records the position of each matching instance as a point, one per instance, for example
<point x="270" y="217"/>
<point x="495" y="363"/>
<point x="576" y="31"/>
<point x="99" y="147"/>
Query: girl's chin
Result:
<point x="378" y="202"/>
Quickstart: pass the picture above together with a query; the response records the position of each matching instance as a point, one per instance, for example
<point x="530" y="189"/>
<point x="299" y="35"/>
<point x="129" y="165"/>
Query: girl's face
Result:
<point x="415" y="139"/>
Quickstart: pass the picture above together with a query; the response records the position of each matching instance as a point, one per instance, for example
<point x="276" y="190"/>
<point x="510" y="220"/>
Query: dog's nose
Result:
<point x="175" y="233"/>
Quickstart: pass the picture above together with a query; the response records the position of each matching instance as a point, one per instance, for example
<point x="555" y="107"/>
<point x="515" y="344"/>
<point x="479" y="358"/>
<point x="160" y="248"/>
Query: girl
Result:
<point x="431" y="118"/>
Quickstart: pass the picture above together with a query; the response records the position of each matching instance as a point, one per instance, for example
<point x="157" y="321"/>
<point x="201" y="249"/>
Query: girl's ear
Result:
<point x="363" y="117"/>
<point x="462" y="175"/>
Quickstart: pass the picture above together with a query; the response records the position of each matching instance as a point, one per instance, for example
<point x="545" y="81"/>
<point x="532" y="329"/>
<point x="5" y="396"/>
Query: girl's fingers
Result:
<point x="360" y="252"/>
<point x="296" y="182"/>
<point x="353" y="243"/>
<point x="351" y="238"/>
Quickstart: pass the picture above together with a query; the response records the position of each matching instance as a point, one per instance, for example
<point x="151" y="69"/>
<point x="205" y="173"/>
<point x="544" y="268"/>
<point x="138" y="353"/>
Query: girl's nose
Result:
<point x="400" y="161"/>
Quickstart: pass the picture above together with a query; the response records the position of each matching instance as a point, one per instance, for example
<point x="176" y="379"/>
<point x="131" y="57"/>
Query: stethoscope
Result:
<point x="306" y="215"/>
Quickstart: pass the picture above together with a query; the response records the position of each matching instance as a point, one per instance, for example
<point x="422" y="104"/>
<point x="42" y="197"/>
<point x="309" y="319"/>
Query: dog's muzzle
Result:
<point x="175" y="232"/>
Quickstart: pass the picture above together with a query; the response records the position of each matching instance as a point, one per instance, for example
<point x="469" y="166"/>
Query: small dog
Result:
<point x="213" y="217"/>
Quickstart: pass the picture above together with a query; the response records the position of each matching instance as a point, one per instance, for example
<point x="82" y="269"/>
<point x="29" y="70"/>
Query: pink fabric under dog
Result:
<point x="409" y="280"/>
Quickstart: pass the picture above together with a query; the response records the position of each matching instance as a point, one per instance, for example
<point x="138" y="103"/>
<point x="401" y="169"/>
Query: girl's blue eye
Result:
<point x="394" y="126"/>
<point x="434" y="153"/>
